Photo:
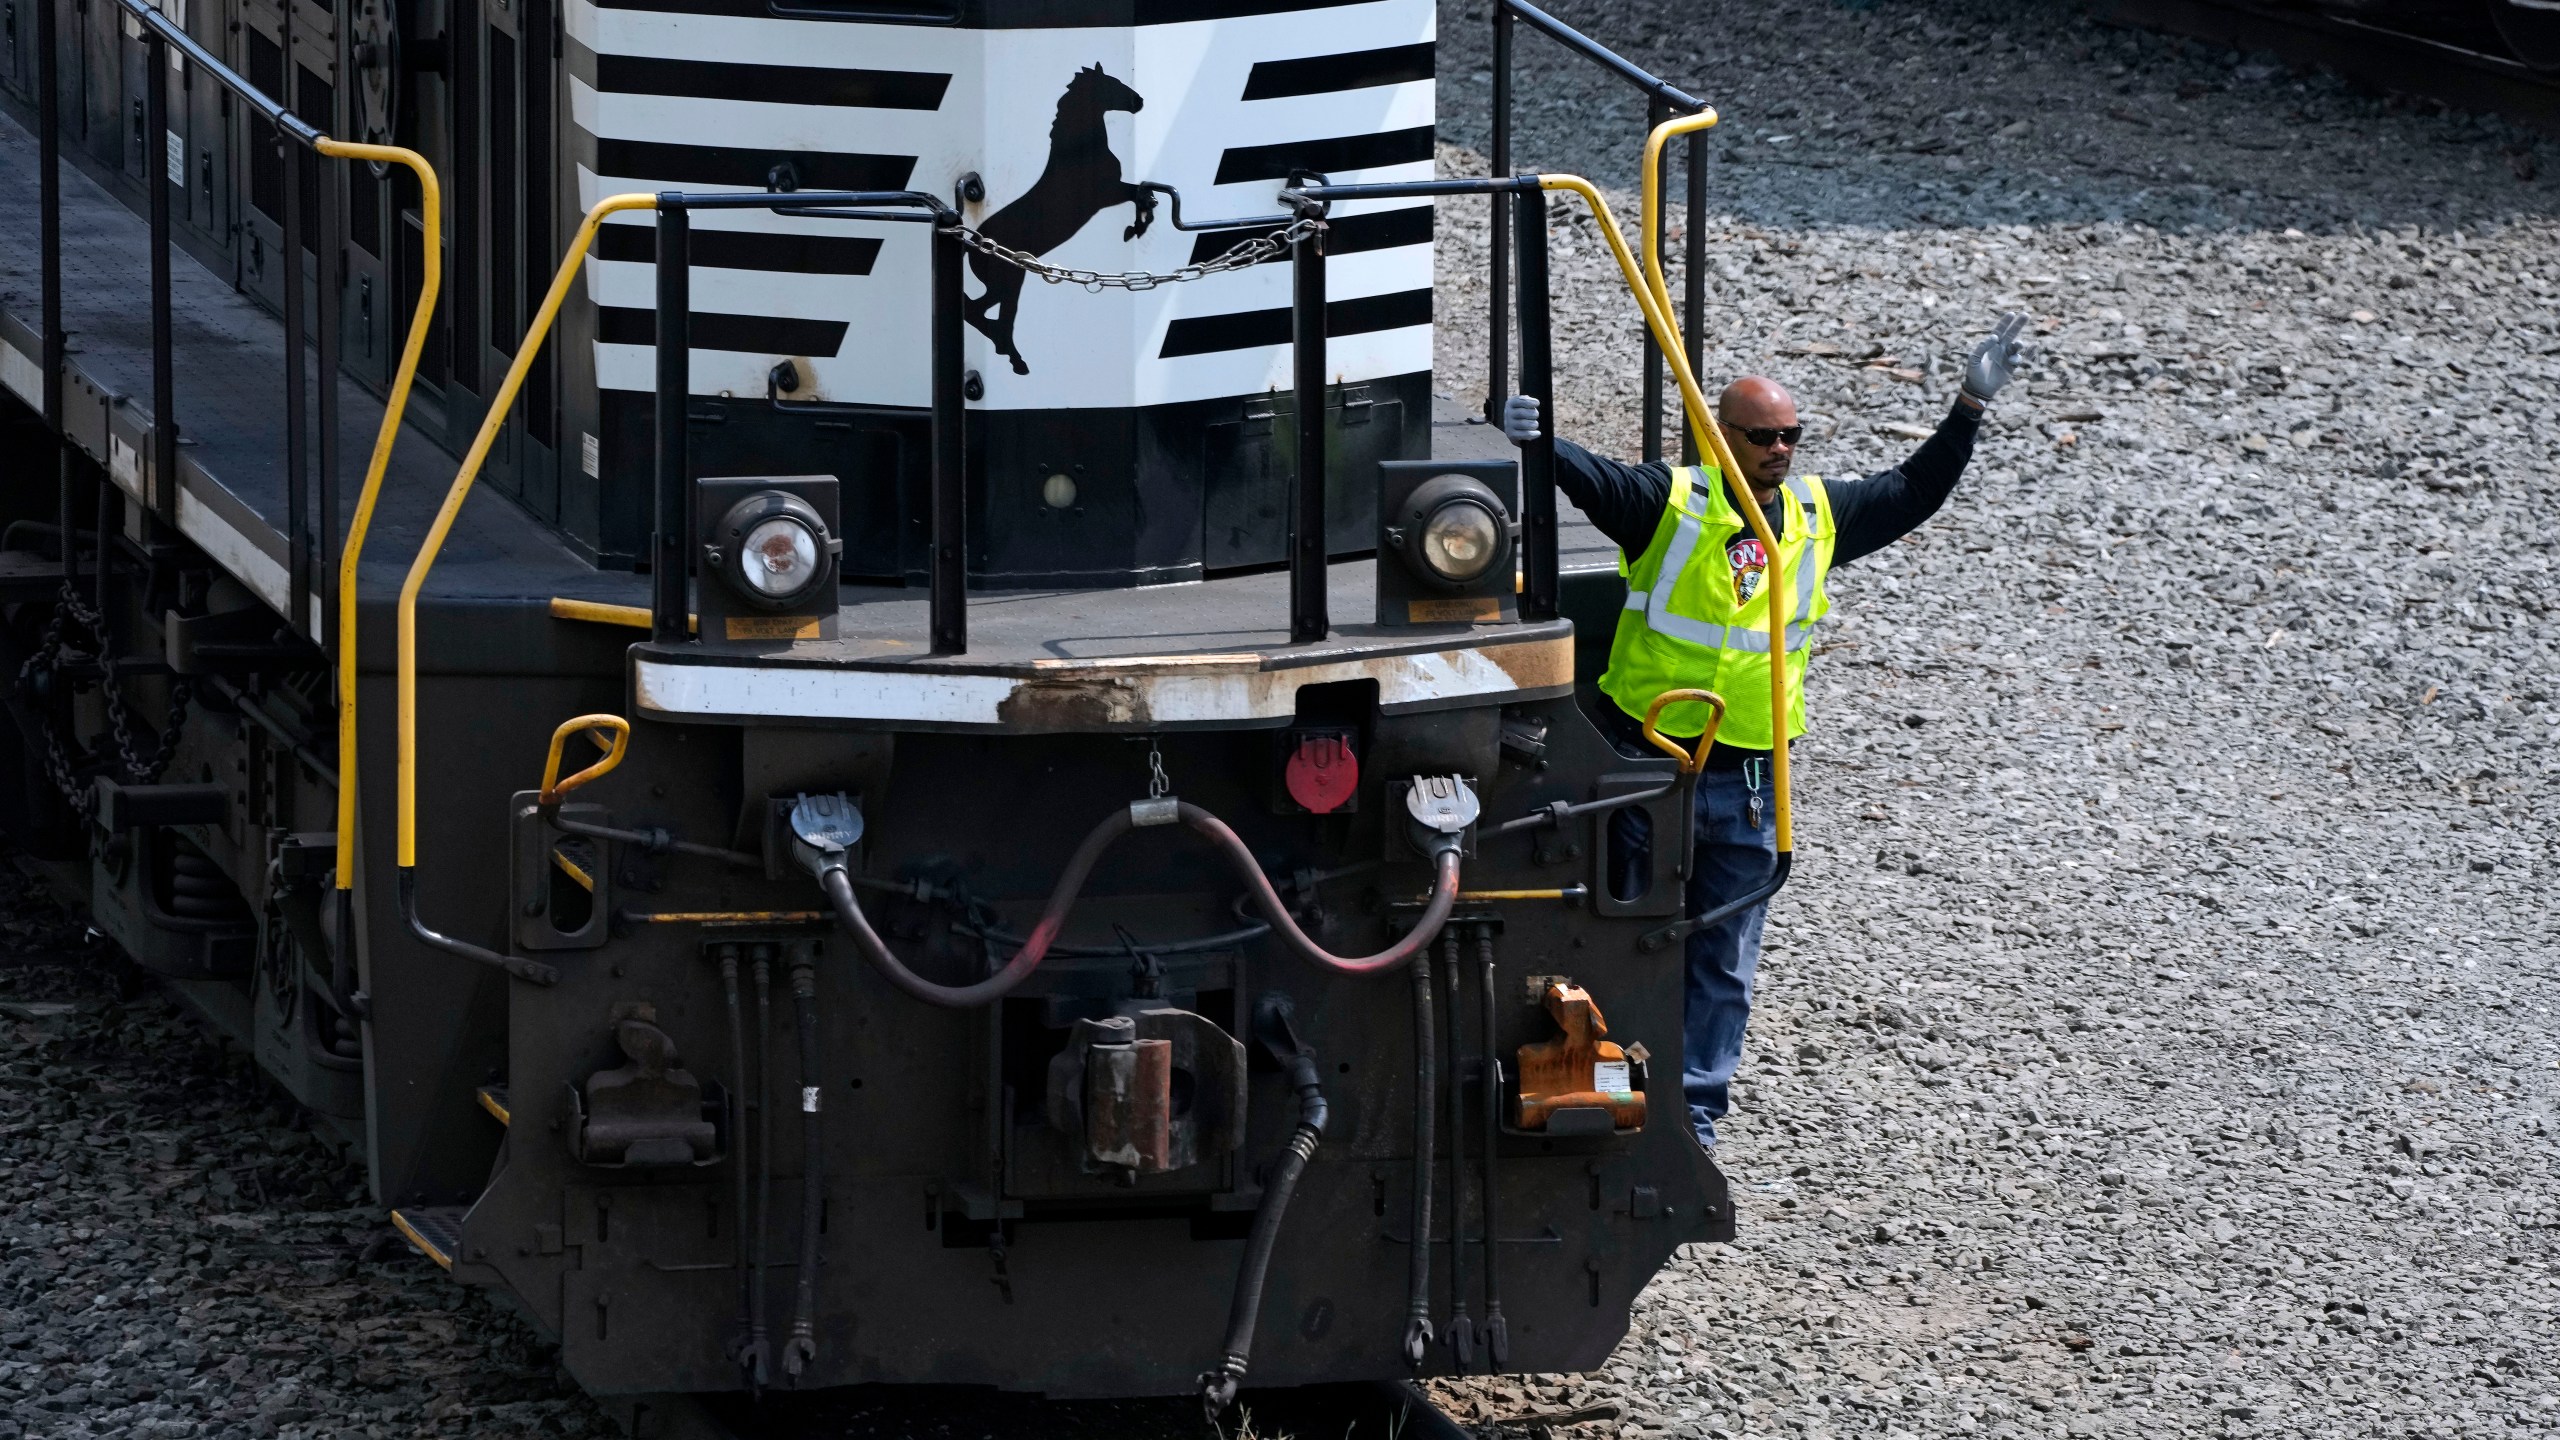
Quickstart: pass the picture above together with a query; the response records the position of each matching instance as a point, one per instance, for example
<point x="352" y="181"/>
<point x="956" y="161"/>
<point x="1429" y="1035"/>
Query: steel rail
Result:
<point x="267" y="106"/>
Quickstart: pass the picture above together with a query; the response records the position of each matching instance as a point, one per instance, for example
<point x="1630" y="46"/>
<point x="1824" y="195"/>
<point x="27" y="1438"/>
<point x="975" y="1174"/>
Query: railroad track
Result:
<point x="880" y="1412"/>
<point x="2499" y="56"/>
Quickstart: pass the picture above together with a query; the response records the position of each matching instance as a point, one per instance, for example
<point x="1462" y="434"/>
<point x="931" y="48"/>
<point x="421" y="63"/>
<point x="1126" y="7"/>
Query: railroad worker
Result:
<point x="1697" y="617"/>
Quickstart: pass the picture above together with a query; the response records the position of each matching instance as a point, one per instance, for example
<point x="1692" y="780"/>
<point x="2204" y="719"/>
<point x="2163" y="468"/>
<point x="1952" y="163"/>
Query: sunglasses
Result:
<point x="1766" y="436"/>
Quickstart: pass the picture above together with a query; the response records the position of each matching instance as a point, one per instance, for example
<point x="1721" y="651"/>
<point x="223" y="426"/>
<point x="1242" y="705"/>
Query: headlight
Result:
<point x="1451" y="531"/>
<point x="779" y="557"/>
<point x="1460" y="540"/>
<point x="772" y="549"/>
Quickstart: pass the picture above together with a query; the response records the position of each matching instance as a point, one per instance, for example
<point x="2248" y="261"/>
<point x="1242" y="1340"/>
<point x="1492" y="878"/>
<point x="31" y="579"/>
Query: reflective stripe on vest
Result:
<point x="1686" y="624"/>
<point x="1754" y="639"/>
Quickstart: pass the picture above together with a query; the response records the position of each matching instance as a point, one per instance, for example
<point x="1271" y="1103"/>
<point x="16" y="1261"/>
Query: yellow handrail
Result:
<point x="1651" y="230"/>
<point x="599" y="612"/>
<point x="1693" y="401"/>
<point x="602" y="612"/>
<point x="618" y="741"/>
<point x="499" y="405"/>
<point x="430" y="279"/>
<point x="1694" y="758"/>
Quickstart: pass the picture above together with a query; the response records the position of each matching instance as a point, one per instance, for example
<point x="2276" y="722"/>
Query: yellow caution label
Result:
<point x="1468" y="608"/>
<point x="773" y="627"/>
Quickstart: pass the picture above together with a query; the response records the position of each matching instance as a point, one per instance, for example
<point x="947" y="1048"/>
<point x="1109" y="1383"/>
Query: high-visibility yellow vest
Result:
<point x="1684" y="628"/>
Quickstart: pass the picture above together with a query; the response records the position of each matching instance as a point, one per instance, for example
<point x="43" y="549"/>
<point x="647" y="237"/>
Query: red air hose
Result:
<point x="1062" y="898"/>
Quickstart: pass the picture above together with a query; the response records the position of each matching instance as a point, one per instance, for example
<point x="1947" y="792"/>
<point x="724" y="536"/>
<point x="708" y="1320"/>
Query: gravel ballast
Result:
<point x="2156" y="1037"/>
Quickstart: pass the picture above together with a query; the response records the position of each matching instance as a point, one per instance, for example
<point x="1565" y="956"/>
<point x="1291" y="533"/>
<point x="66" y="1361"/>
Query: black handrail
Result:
<point x="1645" y="80"/>
<point x="1663" y="100"/>
<point x="49" y="241"/>
<point x="948" y="542"/>
<point x="1307" y="568"/>
<point x="161" y="484"/>
<point x="1541" y="585"/>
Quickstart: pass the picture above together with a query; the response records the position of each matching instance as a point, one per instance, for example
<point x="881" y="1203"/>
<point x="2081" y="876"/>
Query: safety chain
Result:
<point x="139" y="768"/>
<point x="1244" y="254"/>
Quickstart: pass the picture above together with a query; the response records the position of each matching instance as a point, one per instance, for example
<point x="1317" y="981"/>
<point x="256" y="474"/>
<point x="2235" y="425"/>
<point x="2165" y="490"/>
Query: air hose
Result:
<point x="831" y="865"/>
<point x="750" y="1361"/>
<point x="1298" y="1060"/>
<point x="1426" y="1082"/>
<point x="802" y="1348"/>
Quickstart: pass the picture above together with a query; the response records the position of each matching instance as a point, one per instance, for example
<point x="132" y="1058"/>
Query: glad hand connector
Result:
<point x="1442" y="807"/>
<point x="824" y="830"/>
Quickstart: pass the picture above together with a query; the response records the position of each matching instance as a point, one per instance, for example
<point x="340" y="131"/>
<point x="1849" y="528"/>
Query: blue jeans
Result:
<point x="1732" y="856"/>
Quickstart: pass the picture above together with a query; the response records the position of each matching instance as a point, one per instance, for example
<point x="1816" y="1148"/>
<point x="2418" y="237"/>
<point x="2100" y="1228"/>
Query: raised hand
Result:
<point x="1996" y="361"/>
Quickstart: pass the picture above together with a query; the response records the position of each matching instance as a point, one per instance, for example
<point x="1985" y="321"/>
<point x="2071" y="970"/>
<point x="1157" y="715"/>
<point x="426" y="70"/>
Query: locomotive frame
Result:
<point x="556" y="1092"/>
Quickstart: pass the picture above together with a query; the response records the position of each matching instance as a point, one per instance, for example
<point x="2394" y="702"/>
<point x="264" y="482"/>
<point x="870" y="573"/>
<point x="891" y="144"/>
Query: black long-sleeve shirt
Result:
<point x="1626" y="501"/>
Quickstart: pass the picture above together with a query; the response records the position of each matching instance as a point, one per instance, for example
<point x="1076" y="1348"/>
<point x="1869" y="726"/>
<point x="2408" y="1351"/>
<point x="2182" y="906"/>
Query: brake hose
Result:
<point x="799" y="1351"/>
<point x="1297" y="1060"/>
<point x="837" y="883"/>
<point x="1426" y="1084"/>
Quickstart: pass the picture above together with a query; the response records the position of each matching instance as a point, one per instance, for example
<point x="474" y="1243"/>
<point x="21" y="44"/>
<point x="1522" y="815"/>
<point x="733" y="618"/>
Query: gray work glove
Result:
<point x="1520" y="419"/>
<point x="1995" y="361"/>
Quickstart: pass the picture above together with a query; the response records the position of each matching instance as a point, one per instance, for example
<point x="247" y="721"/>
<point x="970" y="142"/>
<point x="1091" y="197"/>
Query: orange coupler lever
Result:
<point x="1578" y="1084"/>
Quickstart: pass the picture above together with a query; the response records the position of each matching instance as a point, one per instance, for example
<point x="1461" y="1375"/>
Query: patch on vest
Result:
<point x="1749" y="563"/>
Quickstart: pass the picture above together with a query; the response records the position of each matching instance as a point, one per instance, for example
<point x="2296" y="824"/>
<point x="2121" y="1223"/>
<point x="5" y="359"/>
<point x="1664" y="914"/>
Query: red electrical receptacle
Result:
<point x="1322" y="773"/>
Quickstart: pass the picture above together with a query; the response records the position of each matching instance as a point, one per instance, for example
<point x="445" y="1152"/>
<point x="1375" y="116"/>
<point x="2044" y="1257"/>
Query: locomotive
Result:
<point x="936" y="828"/>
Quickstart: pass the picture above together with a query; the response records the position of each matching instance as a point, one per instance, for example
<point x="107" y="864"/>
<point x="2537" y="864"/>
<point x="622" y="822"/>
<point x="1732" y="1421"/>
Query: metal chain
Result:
<point x="1244" y="254"/>
<point x="57" y="764"/>
<point x="1158" y="784"/>
<point x="140" y="767"/>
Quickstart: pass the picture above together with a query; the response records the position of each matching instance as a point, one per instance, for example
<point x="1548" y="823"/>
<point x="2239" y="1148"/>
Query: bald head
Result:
<point x="1756" y="402"/>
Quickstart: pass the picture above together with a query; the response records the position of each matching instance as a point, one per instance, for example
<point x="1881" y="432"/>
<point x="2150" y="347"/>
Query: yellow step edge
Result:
<point x="493" y="1098"/>
<point x="425" y="1246"/>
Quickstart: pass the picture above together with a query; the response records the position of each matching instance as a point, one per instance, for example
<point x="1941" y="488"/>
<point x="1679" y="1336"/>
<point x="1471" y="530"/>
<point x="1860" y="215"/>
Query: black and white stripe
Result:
<point x="1363" y="232"/>
<point x="771" y="84"/>
<point x="720" y="94"/>
<point x="1332" y="74"/>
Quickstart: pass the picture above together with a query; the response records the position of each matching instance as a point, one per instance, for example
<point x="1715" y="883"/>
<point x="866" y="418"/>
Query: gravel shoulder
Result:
<point x="2157" y="1035"/>
<point x="180" y="1257"/>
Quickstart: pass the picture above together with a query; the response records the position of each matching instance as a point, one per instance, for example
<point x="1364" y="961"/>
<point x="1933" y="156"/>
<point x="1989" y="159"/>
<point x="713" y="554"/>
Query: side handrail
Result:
<point x="143" y="13"/>
<point x="430" y="282"/>
<point x="1704" y="120"/>
<point x="862" y="205"/>
<point x="1625" y="69"/>
<point x="419" y="567"/>
<point x="1662" y="101"/>
<point x="1666" y="332"/>
<point x="162" y="31"/>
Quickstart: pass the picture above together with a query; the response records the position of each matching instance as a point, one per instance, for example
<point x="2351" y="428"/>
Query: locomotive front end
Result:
<point x="1097" y="880"/>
